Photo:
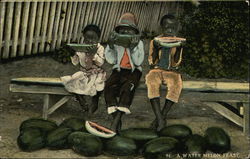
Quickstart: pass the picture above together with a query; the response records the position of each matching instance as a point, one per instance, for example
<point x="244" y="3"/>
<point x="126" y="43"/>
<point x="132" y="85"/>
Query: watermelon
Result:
<point x="120" y="146"/>
<point x="159" y="147"/>
<point x="218" y="140"/>
<point x="99" y="130"/>
<point x="31" y="139"/>
<point x="77" y="124"/>
<point x="125" y="40"/>
<point x="57" y="139"/>
<point x="180" y="132"/>
<point x="85" y="144"/>
<point x="139" y="134"/>
<point x="195" y="146"/>
<point x="44" y="125"/>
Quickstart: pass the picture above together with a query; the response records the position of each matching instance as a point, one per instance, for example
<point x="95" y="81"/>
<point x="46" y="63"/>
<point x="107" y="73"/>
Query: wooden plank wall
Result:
<point x="28" y="28"/>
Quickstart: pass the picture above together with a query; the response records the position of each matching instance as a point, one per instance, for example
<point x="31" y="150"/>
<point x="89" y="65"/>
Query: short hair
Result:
<point x="167" y="16"/>
<point x="94" y="28"/>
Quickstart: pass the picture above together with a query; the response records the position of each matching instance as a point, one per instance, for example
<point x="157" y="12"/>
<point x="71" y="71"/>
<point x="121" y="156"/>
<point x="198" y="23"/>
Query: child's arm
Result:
<point x="75" y="59"/>
<point x="110" y="55"/>
<point x="81" y="59"/>
<point x="151" y="50"/>
<point x="177" y="56"/>
<point x="99" y="56"/>
<point x="137" y="54"/>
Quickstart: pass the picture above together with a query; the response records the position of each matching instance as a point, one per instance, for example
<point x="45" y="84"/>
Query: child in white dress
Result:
<point x="91" y="77"/>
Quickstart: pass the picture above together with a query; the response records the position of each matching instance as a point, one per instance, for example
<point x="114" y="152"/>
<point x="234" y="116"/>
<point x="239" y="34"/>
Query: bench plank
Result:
<point x="188" y="85"/>
<point x="201" y="96"/>
<point x="37" y="80"/>
<point x="230" y="92"/>
<point x="38" y="89"/>
<point x="226" y="86"/>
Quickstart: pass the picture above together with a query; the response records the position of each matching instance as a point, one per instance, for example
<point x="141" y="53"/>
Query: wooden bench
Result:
<point x="49" y="87"/>
<point x="229" y="99"/>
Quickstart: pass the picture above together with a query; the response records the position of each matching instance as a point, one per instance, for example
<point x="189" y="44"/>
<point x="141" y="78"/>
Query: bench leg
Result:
<point x="45" y="106"/>
<point x="58" y="104"/>
<point x="225" y="112"/>
<point x="246" y="119"/>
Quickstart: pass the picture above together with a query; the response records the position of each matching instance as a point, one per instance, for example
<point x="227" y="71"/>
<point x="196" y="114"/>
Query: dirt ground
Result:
<point x="16" y="107"/>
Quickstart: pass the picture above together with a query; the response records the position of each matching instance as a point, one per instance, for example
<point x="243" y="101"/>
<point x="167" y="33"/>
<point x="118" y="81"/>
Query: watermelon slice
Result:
<point x="98" y="130"/>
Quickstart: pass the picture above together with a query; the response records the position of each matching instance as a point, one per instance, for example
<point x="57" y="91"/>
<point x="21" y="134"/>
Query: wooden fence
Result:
<point x="28" y="28"/>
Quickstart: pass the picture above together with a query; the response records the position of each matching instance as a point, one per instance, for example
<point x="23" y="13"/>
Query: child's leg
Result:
<point x="116" y="124"/>
<point x="128" y="88"/>
<point x="94" y="103"/>
<point x="174" y="85"/>
<point x="154" y="81"/>
<point x="156" y="106"/>
<point x="111" y="89"/>
<point x="82" y="102"/>
<point x="166" y="108"/>
<point x="130" y="82"/>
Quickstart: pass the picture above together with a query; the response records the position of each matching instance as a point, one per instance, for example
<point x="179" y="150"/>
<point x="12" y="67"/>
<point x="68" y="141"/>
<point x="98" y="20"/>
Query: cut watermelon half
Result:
<point x="99" y="130"/>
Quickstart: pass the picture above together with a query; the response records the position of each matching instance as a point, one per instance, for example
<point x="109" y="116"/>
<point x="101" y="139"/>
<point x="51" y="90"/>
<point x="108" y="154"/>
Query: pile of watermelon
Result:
<point x="171" y="141"/>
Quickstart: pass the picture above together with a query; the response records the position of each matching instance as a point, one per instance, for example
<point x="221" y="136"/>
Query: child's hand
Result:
<point x="111" y="40"/>
<point x="134" y="42"/>
<point x="157" y="43"/>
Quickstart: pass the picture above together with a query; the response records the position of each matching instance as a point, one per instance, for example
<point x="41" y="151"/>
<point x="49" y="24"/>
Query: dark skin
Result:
<point x="168" y="28"/>
<point x="90" y="37"/>
<point x="116" y="123"/>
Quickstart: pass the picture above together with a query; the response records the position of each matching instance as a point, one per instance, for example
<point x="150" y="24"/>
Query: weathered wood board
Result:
<point x="228" y="92"/>
<point x="187" y="85"/>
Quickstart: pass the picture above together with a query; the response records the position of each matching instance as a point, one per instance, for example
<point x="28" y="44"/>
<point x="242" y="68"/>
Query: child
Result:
<point x="126" y="60"/>
<point x="164" y="60"/>
<point x="91" y="77"/>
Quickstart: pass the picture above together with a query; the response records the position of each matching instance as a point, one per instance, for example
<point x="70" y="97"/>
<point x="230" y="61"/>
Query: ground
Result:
<point x="16" y="107"/>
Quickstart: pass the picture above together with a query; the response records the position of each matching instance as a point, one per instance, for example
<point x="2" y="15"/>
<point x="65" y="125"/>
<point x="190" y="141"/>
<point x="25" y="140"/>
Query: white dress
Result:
<point x="91" y="76"/>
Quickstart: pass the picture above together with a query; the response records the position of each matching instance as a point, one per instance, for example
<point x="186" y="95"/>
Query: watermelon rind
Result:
<point x="76" y="124"/>
<point x="218" y="140"/>
<point x="31" y="139"/>
<point x="178" y="131"/>
<point x="58" y="138"/>
<point x="120" y="146"/>
<point x="44" y="125"/>
<point x="85" y="144"/>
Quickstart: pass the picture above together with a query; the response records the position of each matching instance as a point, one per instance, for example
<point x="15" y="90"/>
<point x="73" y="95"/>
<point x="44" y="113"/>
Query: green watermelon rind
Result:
<point x="85" y="144"/>
<point x="218" y="140"/>
<point x="139" y="134"/>
<point x="178" y="131"/>
<point x="159" y="147"/>
<point x="195" y="144"/>
<point x="57" y="139"/>
<point x="44" y="125"/>
<point x="120" y="146"/>
<point x="36" y="142"/>
<point x="77" y="124"/>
